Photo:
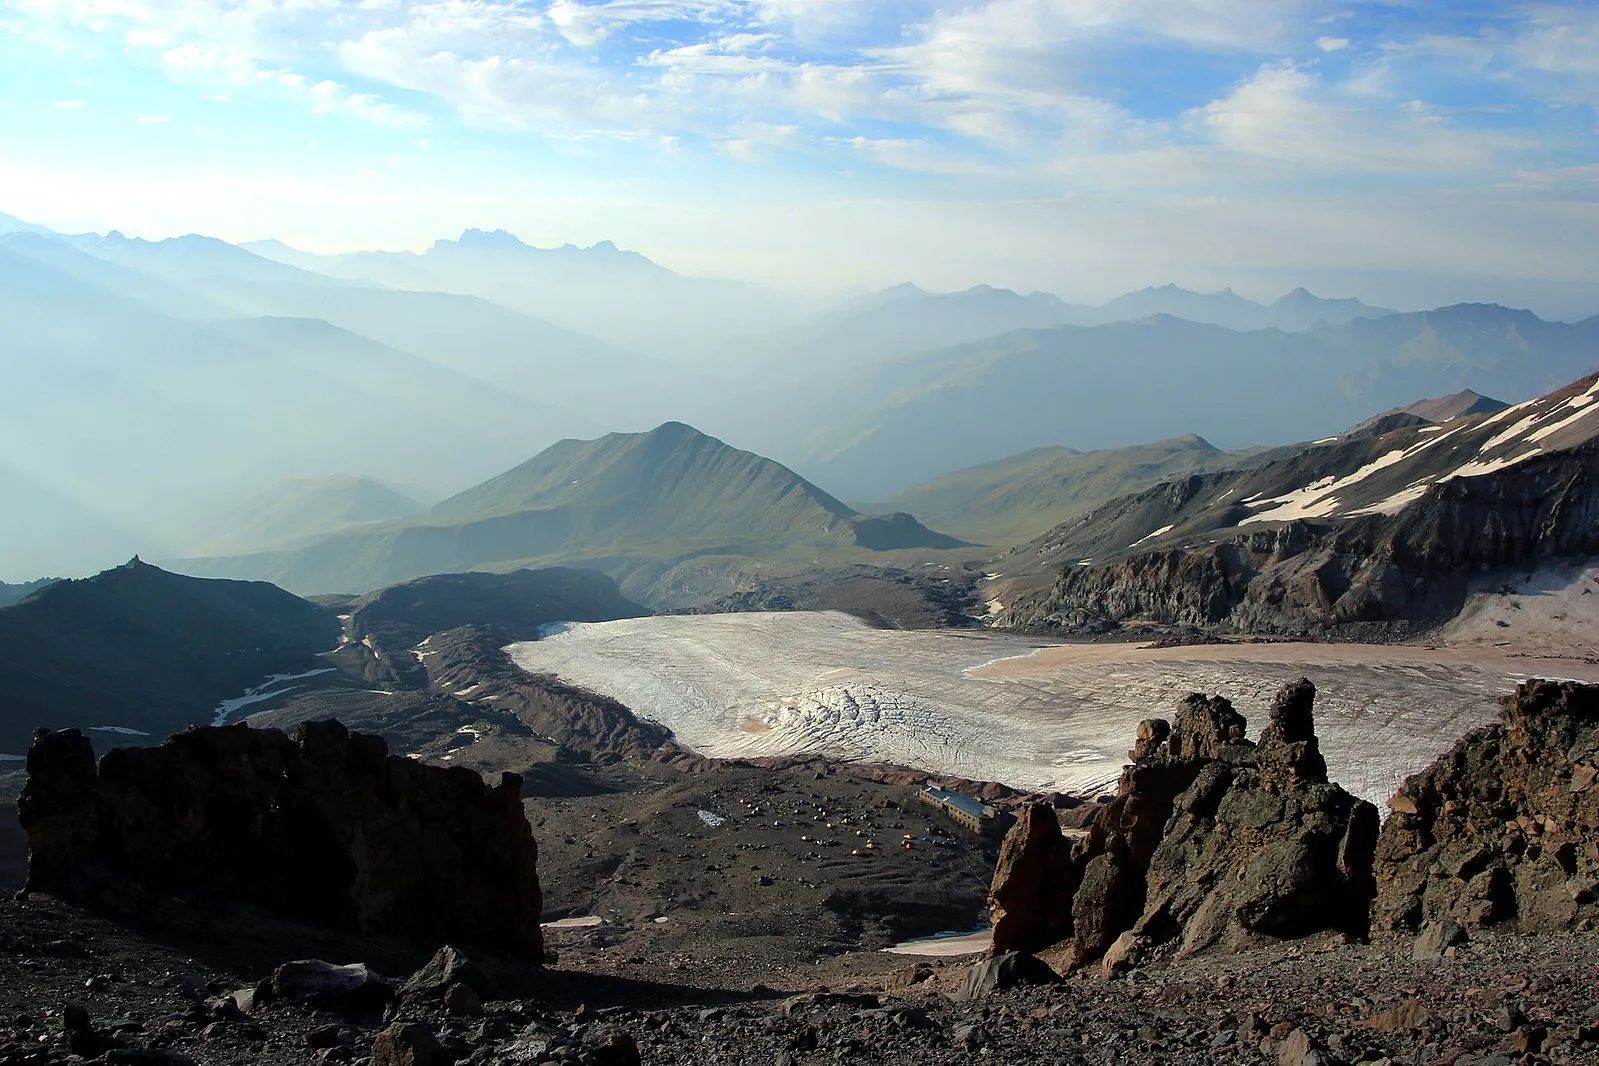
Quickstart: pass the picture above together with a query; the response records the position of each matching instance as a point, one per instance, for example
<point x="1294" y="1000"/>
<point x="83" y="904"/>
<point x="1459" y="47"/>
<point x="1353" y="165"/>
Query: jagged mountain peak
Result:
<point x="479" y="238"/>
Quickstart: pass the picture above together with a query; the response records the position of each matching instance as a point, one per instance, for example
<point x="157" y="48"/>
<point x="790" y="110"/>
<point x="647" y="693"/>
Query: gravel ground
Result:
<point x="153" y="981"/>
<point x="739" y="873"/>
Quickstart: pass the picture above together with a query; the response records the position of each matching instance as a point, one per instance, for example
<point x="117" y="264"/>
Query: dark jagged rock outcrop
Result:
<point x="1207" y="727"/>
<point x="326" y="828"/>
<point x="1211" y="841"/>
<point x="1263" y="846"/>
<point x="1503" y="829"/>
<point x="1034" y="860"/>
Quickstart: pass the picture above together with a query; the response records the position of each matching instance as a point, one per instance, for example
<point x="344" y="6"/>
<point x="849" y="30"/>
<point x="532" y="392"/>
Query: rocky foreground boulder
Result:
<point x="325" y="828"/>
<point x="1211" y="841"/>
<point x="1502" y="830"/>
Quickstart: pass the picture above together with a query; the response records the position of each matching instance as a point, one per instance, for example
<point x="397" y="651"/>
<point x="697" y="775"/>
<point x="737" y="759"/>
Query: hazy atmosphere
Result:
<point x="1408" y="154"/>
<point x="726" y="532"/>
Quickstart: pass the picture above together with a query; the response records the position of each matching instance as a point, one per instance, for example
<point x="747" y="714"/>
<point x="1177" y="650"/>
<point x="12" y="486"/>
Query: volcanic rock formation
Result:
<point x="1212" y="841"/>
<point x="326" y="828"/>
<point x="1503" y="829"/>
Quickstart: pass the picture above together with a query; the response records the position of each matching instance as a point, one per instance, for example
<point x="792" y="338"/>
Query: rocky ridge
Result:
<point x="1373" y="535"/>
<point x="1503" y="830"/>
<point x="325" y="828"/>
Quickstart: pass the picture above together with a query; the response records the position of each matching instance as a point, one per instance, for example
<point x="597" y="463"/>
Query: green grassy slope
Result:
<point x="1015" y="499"/>
<point x="666" y="496"/>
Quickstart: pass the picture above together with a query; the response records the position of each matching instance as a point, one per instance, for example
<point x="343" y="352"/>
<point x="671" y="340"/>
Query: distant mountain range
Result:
<point x="602" y="290"/>
<point x="299" y="509"/>
<point x="876" y="430"/>
<point x="881" y="326"/>
<point x="1292" y="312"/>
<point x="644" y="507"/>
<point x="118" y="402"/>
<point x="158" y="383"/>
<point x="138" y="649"/>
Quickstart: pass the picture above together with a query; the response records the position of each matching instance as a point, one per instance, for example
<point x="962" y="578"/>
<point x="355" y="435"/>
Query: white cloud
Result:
<point x="751" y="142"/>
<point x="588" y="23"/>
<point x="521" y="81"/>
<point x="1288" y="114"/>
<point x="1560" y="40"/>
<point x="333" y="98"/>
<point x="1003" y="100"/>
<point x="220" y="48"/>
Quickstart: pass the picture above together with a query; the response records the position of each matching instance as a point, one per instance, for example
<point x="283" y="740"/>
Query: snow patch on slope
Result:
<point x="1161" y="532"/>
<point x="273" y="686"/>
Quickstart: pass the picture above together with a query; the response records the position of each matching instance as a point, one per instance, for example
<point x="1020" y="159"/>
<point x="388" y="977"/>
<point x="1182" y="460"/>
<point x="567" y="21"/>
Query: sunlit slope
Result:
<point x="667" y="495"/>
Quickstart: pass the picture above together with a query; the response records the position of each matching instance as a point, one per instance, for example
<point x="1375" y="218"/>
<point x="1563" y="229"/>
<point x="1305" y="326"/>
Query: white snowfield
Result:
<point x="1001" y="707"/>
<point x="274" y="686"/>
<point x="1523" y="439"/>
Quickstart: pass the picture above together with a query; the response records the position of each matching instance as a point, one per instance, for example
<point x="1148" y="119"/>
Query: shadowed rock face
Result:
<point x="1034" y="859"/>
<point x="1504" y="828"/>
<point x="326" y="828"/>
<point x="1212" y="841"/>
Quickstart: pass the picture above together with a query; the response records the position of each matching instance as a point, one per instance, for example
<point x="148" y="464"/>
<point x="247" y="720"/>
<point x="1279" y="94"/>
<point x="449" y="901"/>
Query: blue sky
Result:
<point x="1420" y="150"/>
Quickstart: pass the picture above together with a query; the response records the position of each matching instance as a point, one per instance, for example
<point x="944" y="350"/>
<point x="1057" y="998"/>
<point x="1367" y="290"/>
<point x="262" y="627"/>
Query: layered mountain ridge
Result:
<point x="871" y="432"/>
<point x="439" y="367"/>
<point x="633" y="504"/>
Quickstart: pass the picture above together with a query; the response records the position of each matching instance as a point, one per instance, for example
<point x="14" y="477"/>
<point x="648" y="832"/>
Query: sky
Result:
<point x="1411" y="152"/>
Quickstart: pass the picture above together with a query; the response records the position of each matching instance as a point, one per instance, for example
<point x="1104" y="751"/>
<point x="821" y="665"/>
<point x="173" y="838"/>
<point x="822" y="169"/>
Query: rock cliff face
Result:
<point x="1212" y="841"/>
<point x="326" y="828"/>
<point x="1403" y="571"/>
<point x="1373" y="535"/>
<point x="1504" y="828"/>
